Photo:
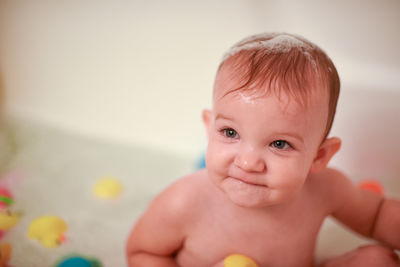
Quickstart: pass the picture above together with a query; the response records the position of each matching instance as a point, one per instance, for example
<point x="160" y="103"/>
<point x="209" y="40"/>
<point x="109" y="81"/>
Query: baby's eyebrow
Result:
<point x="223" y="117"/>
<point x="294" y="135"/>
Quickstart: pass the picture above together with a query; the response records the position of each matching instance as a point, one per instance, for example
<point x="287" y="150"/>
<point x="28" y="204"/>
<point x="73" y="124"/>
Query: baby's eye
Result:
<point x="280" y="144"/>
<point x="230" y="133"/>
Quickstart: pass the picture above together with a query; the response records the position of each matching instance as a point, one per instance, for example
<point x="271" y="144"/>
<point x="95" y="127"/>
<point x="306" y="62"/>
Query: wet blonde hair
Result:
<point x="282" y="62"/>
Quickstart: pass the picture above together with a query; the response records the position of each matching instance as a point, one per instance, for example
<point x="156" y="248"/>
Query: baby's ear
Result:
<point x="206" y="119"/>
<point x="324" y="154"/>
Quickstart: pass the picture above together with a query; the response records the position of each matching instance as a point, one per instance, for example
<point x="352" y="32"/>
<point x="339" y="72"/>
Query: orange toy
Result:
<point x="5" y="254"/>
<point x="371" y="185"/>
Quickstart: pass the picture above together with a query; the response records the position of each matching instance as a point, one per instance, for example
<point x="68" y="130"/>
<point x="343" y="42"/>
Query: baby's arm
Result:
<point x="159" y="233"/>
<point x="366" y="212"/>
<point x="387" y="226"/>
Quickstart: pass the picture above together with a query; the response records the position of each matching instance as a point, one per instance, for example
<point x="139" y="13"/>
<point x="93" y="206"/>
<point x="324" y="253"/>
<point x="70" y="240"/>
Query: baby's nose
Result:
<point x="250" y="161"/>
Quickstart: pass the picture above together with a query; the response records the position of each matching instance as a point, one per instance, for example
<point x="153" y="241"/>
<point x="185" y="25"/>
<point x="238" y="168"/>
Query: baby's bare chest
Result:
<point x="288" y="241"/>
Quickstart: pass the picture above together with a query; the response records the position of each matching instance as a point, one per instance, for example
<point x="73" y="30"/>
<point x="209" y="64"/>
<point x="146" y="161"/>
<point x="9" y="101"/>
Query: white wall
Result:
<point x="136" y="71"/>
<point x="368" y="121"/>
<point x="141" y="71"/>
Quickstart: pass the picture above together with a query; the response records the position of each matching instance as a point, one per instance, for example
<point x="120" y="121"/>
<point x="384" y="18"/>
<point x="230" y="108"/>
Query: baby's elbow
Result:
<point x="131" y="249"/>
<point x="387" y="223"/>
<point x="133" y="255"/>
<point x="145" y="259"/>
<point x="130" y="258"/>
<point x="134" y="258"/>
<point x="130" y="254"/>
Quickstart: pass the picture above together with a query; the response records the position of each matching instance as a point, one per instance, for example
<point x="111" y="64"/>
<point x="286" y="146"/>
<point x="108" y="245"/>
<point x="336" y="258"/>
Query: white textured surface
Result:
<point x="54" y="173"/>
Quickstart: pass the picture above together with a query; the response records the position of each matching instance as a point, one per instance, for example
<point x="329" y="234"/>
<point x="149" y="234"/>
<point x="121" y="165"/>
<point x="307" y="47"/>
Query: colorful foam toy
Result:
<point x="5" y="254"/>
<point x="108" y="188"/>
<point x="238" y="260"/>
<point x="8" y="220"/>
<point x="6" y="198"/>
<point x="49" y="230"/>
<point x="76" y="260"/>
<point x="371" y="185"/>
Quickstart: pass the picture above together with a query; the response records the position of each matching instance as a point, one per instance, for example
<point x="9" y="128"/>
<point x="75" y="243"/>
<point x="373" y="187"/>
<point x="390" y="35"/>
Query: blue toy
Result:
<point x="78" y="261"/>
<point x="201" y="164"/>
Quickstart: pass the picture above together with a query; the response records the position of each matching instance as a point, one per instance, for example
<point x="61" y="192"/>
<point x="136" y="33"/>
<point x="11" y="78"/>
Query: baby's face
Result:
<point x="260" y="149"/>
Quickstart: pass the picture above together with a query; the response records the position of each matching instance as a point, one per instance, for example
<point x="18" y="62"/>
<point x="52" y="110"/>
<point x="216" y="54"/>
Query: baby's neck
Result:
<point x="272" y="211"/>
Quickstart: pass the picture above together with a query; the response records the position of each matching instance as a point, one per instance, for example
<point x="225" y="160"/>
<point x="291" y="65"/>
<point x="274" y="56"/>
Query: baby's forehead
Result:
<point x="227" y="83"/>
<point x="286" y="105"/>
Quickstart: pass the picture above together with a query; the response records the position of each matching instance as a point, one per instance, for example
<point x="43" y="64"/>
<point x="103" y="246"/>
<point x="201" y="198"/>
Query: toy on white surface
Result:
<point x="49" y="230"/>
<point x="238" y="260"/>
<point x="76" y="260"/>
<point x="372" y="185"/>
<point x="8" y="220"/>
<point x="5" y="254"/>
<point x="6" y="198"/>
<point x="201" y="163"/>
<point x="108" y="188"/>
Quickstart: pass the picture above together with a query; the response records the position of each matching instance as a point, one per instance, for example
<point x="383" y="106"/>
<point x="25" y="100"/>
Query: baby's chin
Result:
<point x="256" y="197"/>
<point x="257" y="203"/>
<point x="247" y="196"/>
<point x="250" y="204"/>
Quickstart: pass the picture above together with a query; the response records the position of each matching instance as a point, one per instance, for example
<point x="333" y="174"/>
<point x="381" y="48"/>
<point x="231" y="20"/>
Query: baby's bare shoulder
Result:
<point x="329" y="186"/>
<point x="167" y="218"/>
<point x="187" y="186"/>
<point x="329" y="178"/>
<point x="182" y="195"/>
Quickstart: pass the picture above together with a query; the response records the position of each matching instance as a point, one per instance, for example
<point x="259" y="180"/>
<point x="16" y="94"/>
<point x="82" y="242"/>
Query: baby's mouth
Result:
<point x="248" y="181"/>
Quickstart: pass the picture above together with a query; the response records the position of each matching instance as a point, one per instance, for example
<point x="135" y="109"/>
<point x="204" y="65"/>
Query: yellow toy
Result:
<point x="238" y="260"/>
<point x="49" y="230"/>
<point x="108" y="187"/>
<point x="8" y="220"/>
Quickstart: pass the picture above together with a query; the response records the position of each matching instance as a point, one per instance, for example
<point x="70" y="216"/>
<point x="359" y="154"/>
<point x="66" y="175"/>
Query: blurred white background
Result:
<point x="140" y="72"/>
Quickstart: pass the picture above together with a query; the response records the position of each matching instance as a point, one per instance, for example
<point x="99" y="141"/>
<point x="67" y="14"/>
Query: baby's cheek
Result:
<point x="300" y="164"/>
<point x="218" y="156"/>
<point x="293" y="175"/>
<point x="211" y="156"/>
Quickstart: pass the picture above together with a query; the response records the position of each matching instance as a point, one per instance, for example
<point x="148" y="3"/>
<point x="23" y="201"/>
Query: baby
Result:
<point x="266" y="189"/>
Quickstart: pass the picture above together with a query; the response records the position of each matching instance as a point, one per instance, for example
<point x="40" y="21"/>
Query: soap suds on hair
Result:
<point x="247" y="98"/>
<point x="270" y="43"/>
